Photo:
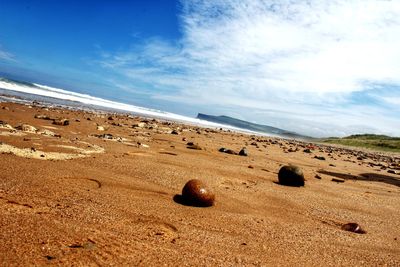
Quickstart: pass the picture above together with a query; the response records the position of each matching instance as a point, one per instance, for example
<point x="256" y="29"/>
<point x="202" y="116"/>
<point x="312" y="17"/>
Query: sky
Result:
<point x="320" y="68"/>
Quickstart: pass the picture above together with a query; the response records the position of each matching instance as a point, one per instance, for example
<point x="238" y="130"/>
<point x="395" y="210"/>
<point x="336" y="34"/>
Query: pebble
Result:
<point x="243" y="152"/>
<point x="291" y="175"/>
<point x="353" y="227"/>
<point x="196" y="193"/>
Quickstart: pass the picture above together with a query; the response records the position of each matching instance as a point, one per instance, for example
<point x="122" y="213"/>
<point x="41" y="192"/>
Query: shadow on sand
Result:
<point x="372" y="177"/>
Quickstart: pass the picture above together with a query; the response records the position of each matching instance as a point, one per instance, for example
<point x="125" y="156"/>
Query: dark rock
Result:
<point x="194" y="146"/>
<point x="243" y="152"/>
<point x="307" y="150"/>
<point x="62" y="122"/>
<point x="110" y="118"/>
<point x="190" y="144"/>
<point x="222" y="149"/>
<point x="42" y="117"/>
<point x="196" y="193"/>
<point x="230" y="151"/>
<point x="174" y="132"/>
<point x="319" y="157"/>
<point x="317" y="176"/>
<point x="353" y="227"/>
<point x="291" y="175"/>
<point x="338" y="180"/>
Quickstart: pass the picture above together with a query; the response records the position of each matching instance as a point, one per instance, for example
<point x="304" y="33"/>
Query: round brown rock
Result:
<point x="196" y="193"/>
<point x="291" y="175"/>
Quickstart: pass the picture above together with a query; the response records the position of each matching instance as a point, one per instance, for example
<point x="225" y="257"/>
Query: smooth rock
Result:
<point x="196" y="193"/>
<point x="243" y="152"/>
<point x="291" y="175"/>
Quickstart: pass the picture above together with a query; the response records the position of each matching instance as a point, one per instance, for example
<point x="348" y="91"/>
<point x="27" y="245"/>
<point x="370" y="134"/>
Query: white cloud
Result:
<point x="4" y="55"/>
<point x="303" y="58"/>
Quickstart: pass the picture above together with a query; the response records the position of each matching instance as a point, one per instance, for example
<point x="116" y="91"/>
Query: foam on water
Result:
<point x="47" y="91"/>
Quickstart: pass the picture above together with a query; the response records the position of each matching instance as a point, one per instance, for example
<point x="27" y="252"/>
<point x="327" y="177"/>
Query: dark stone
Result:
<point x="222" y="149"/>
<point x="307" y="150"/>
<point x="196" y="193"/>
<point x="291" y="175"/>
<point x="63" y="122"/>
<point x="243" y="152"/>
<point x="319" y="157"/>
<point x="174" y="132"/>
<point x="194" y="146"/>
<point x="353" y="227"/>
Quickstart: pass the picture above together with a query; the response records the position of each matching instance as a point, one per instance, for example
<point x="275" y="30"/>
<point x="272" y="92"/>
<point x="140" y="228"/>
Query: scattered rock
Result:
<point x="251" y="167"/>
<point x="243" y="152"/>
<point x="307" y="150"/>
<point x="196" y="193"/>
<point x="42" y="117"/>
<point x="174" y="132"/>
<point x="62" y="122"/>
<point x="100" y="128"/>
<point x="291" y="175"/>
<point x="26" y="128"/>
<point x="353" y="227"/>
<point x="338" y="180"/>
<point x="319" y="157"/>
<point x="227" y="151"/>
<point x="194" y="146"/>
<point x="391" y="171"/>
<point x="317" y="176"/>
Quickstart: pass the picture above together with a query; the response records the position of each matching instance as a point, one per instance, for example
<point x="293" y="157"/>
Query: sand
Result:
<point x="90" y="197"/>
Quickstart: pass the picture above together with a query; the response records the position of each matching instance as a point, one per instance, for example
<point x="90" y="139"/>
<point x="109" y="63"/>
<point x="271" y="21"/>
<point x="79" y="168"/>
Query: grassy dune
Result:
<point x="371" y="141"/>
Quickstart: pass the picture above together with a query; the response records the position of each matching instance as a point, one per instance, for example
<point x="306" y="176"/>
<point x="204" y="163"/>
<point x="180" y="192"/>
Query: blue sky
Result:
<point x="321" y="68"/>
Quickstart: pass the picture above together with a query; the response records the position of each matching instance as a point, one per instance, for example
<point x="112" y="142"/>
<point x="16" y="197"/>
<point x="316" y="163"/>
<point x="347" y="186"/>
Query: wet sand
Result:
<point x="100" y="191"/>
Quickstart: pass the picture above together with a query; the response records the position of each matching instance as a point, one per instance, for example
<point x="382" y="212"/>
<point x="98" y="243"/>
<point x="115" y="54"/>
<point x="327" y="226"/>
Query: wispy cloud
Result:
<point x="305" y="60"/>
<point x="7" y="56"/>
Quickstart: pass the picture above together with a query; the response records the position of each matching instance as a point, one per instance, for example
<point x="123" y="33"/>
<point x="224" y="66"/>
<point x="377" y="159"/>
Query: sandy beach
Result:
<point x="95" y="189"/>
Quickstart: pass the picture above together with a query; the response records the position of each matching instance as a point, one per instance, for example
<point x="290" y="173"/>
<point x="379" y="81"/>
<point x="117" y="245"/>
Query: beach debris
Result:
<point x="291" y="175"/>
<point x="353" y="227"/>
<point x="338" y="180"/>
<point x="62" y="122"/>
<point x="243" y="152"/>
<point x="196" y="193"/>
<point x="26" y="128"/>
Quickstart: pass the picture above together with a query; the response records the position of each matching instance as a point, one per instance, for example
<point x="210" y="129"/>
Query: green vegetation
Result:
<point x="371" y="141"/>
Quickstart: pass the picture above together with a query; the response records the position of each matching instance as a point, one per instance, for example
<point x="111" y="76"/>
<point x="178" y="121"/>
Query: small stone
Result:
<point x="338" y="180"/>
<point x="194" y="146"/>
<point x="291" y="175"/>
<point x="391" y="171"/>
<point x="174" y="132"/>
<point x="353" y="227"/>
<point x="196" y="193"/>
<point x="62" y="122"/>
<point x="319" y="157"/>
<point x="100" y="128"/>
<point x="317" y="176"/>
<point x="243" y="152"/>
<point x="26" y="128"/>
<point x="307" y="150"/>
<point x="42" y="117"/>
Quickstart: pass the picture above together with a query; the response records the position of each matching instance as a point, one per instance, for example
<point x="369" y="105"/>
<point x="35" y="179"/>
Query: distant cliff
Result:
<point x="250" y="126"/>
